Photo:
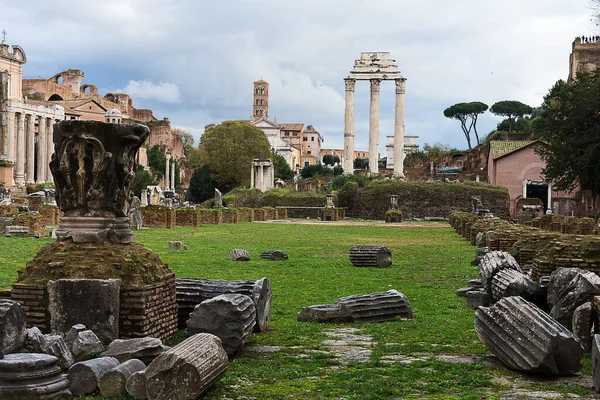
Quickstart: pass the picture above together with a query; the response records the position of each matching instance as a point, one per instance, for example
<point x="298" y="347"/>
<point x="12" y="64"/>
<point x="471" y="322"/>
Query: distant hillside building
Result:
<point x="585" y="55"/>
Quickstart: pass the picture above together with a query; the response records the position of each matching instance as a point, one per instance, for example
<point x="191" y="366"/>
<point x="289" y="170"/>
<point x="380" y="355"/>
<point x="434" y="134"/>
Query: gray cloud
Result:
<point x="209" y="53"/>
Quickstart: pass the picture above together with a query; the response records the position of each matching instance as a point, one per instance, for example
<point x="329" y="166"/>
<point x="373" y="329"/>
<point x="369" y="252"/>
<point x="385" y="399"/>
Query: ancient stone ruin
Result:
<point x="93" y="167"/>
<point x="370" y="256"/>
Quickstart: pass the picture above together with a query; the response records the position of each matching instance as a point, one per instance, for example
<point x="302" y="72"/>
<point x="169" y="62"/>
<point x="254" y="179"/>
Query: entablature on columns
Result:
<point x="52" y="111"/>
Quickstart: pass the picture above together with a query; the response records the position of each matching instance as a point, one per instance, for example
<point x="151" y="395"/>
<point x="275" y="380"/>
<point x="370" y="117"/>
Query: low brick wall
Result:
<point x="34" y="299"/>
<point x="187" y="217"/>
<point x="245" y="214"/>
<point x="230" y="216"/>
<point x="159" y="217"/>
<point x="281" y="213"/>
<point x="149" y="311"/>
<point x="32" y="220"/>
<point x="270" y="213"/>
<point x="210" y="217"/>
<point x="259" y="215"/>
<point x="52" y="214"/>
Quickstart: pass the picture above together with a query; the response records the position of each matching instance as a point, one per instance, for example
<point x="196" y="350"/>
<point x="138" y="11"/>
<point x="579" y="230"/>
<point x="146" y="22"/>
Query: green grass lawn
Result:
<point x="429" y="264"/>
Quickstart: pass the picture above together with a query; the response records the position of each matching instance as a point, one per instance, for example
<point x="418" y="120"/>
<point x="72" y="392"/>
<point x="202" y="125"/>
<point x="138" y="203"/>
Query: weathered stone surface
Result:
<point x="462" y="292"/>
<point x="596" y="362"/>
<point x="230" y="317"/>
<point x="55" y="345"/>
<point x="30" y="376"/>
<point x="527" y="339"/>
<point x="85" y="345"/>
<point x="493" y="262"/>
<point x="239" y="255"/>
<point x="177" y="245"/>
<point x="191" y="292"/>
<point x="274" y="255"/>
<point x="509" y="282"/>
<point x="84" y="376"/>
<point x="113" y="381"/>
<point x="565" y="295"/>
<point x="74" y="333"/>
<point x="15" y="230"/>
<point x="137" y="385"/>
<point x="92" y="302"/>
<point x="12" y="326"/>
<point x="477" y="298"/>
<point x="374" y="307"/>
<point x="370" y="256"/>
<point x="35" y="337"/>
<point x="475" y="283"/>
<point x="481" y="251"/>
<point x="187" y="370"/>
<point x="583" y="320"/>
<point x="144" y="349"/>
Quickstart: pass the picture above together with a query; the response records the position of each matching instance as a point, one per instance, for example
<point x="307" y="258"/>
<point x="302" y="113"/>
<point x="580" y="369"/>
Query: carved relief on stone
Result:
<point x="375" y="83"/>
<point x="400" y="86"/>
<point x="350" y="84"/>
<point x="94" y="165"/>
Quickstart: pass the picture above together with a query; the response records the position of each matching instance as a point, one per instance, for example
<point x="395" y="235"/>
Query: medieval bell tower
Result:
<point x="260" y="107"/>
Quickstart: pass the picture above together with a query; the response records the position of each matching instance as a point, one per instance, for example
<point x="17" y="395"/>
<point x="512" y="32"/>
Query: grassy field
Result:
<point x="408" y="359"/>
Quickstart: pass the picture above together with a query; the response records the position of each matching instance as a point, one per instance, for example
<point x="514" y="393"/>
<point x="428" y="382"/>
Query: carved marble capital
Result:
<point x="375" y="83"/>
<point x="400" y="86"/>
<point x="350" y="84"/>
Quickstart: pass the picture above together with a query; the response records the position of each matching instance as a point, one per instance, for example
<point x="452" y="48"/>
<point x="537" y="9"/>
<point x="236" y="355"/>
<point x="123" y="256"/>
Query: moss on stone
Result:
<point x="133" y="263"/>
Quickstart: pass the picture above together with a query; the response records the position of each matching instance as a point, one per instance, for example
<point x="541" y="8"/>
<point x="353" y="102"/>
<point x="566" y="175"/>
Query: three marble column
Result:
<point x="374" y="126"/>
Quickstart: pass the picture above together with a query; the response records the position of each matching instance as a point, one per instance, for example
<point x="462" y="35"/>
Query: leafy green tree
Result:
<point x="361" y="163"/>
<point x="330" y="159"/>
<point x="522" y="124"/>
<point x="314" y="170"/>
<point x="157" y="160"/>
<point x="570" y="131"/>
<point x="282" y="168"/>
<point x="435" y="154"/>
<point x="511" y="109"/>
<point x="186" y="138"/>
<point x="338" y="170"/>
<point x="467" y="114"/>
<point x="228" y="150"/>
<point x="141" y="180"/>
<point x="202" y="186"/>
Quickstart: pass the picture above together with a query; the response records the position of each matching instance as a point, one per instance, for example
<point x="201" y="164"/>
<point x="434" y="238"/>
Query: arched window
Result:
<point x="113" y="121"/>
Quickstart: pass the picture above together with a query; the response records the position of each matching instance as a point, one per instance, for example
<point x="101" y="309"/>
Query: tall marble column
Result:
<point x="173" y="176"/>
<point x="261" y="178"/>
<point x="374" y="127"/>
<point x="166" y="186"/>
<point x="20" y="167"/>
<point x="10" y="139"/>
<point x="399" y="128"/>
<point x="349" y="126"/>
<point x="49" y="147"/>
<point x="41" y="151"/>
<point x="252" y="173"/>
<point x="30" y="152"/>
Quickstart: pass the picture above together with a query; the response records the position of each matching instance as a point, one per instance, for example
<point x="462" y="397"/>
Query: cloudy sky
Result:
<point x="194" y="61"/>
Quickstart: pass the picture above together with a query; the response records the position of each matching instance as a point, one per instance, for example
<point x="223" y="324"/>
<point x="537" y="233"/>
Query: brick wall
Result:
<point x="208" y="216"/>
<point x="187" y="217"/>
<point x="230" y="216"/>
<point x="34" y="299"/>
<point x="245" y="215"/>
<point x="159" y="217"/>
<point x="51" y="214"/>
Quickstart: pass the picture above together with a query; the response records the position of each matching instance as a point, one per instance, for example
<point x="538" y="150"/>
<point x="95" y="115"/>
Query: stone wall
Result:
<point x="149" y="311"/>
<point x="281" y="212"/>
<point x="230" y="216"/>
<point x="563" y="224"/>
<point x="34" y="299"/>
<point x="51" y="214"/>
<point x="210" y="216"/>
<point x="270" y="213"/>
<point x="33" y="220"/>
<point x="159" y="217"/>
<point x="245" y="214"/>
<point x="187" y="217"/>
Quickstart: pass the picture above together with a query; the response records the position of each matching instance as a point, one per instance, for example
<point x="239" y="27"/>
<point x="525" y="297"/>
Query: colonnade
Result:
<point x="23" y="144"/>
<point x="350" y="84"/>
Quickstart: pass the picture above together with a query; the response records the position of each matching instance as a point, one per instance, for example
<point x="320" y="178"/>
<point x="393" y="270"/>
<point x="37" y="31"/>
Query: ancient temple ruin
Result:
<point x="374" y="67"/>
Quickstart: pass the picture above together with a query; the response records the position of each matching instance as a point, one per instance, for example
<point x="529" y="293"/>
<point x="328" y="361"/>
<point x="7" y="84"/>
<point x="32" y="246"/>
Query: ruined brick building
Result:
<point x="30" y="107"/>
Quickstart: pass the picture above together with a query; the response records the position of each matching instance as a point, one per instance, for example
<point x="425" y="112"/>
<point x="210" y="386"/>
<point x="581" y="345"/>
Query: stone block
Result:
<point x="16" y="230"/>
<point x="370" y="256"/>
<point x="177" y="245"/>
<point x="84" y="376"/>
<point x="137" y="385"/>
<point x="86" y="345"/>
<point x="188" y="370"/>
<point x="477" y="298"/>
<point x="144" y="349"/>
<point x="12" y="326"/>
<point x="239" y="255"/>
<point x="112" y="382"/>
<point x="91" y="302"/>
<point x="274" y="255"/>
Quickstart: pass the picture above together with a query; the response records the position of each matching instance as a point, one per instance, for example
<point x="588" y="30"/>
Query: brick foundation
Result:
<point x="159" y="217"/>
<point x="245" y="215"/>
<point x="230" y="216"/>
<point x="187" y="217"/>
<point x="210" y="217"/>
<point x="34" y="299"/>
<point x="51" y="214"/>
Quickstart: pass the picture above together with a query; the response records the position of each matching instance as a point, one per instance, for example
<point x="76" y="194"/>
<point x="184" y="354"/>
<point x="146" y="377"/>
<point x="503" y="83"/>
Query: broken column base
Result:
<point x="147" y="296"/>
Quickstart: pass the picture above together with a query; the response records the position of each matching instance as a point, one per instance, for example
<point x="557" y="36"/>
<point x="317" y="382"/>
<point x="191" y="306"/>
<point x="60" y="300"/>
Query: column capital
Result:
<point x="400" y="85"/>
<point x="350" y="84"/>
<point x="375" y="83"/>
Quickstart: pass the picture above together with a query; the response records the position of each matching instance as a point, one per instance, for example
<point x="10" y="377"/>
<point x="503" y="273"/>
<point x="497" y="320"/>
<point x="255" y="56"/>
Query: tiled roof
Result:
<point x="500" y="148"/>
<point x="292" y="127"/>
<point x="77" y="103"/>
